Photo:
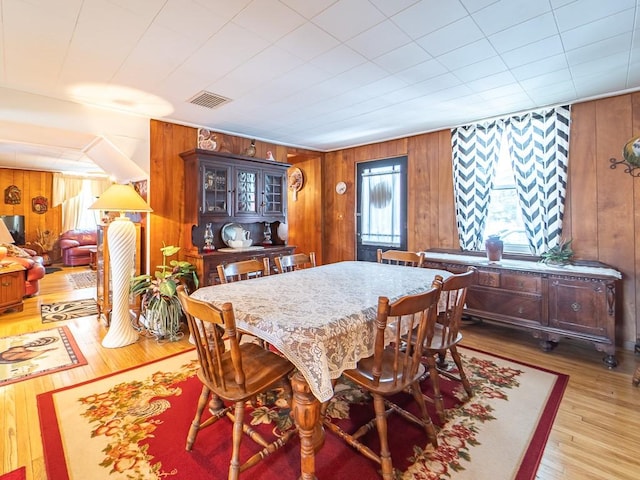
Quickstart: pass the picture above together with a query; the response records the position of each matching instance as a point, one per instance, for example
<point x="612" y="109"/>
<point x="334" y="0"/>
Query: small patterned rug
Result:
<point x="82" y="279"/>
<point x="38" y="353"/>
<point x="56" y="312"/>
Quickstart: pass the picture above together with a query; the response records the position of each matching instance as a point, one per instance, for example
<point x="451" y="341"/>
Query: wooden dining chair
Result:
<point x="393" y="368"/>
<point x="445" y="335"/>
<point x="243" y="270"/>
<point x="235" y="375"/>
<point x="401" y="257"/>
<point x="297" y="261"/>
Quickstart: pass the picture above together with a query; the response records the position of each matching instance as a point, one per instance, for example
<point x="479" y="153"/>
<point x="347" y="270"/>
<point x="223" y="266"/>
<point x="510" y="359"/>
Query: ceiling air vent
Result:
<point x="208" y="100"/>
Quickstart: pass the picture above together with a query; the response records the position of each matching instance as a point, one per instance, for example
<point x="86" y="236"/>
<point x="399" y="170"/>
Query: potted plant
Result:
<point x="158" y="300"/>
<point x="561" y="254"/>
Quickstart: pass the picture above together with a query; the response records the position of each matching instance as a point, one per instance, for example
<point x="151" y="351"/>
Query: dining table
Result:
<point x="322" y="319"/>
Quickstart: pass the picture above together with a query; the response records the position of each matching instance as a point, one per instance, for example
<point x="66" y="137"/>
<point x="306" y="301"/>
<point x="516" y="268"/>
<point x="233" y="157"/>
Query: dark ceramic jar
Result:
<point x="494" y="247"/>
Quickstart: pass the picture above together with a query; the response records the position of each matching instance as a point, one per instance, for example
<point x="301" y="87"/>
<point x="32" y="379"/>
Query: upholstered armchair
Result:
<point x="76" y="245"/>
<point x="33" y="264"/>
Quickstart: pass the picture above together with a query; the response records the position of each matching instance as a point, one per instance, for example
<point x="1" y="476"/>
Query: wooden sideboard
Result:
<point x="576" y="301"/>
<point x="206" y="263"/>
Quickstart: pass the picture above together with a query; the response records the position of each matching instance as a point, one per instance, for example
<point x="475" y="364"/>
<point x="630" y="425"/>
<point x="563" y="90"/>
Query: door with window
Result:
<point x="381" y="215"/>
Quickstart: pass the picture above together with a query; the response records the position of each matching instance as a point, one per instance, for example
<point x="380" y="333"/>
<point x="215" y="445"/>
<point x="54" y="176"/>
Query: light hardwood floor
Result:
<point x="596" y="434"/>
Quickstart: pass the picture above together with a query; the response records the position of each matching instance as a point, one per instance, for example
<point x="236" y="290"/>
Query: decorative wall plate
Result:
<point x="296" y="181"/>
<point x="39" y="204"/>
<point x="12" y="195"/>
<point x="207" y="139"/>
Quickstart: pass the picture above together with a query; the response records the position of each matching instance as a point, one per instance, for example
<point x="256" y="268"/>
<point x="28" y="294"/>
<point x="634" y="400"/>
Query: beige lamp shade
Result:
<point x="5" y="237"/>
<point x="5" y="234"/>
<point x="121" y="198"/>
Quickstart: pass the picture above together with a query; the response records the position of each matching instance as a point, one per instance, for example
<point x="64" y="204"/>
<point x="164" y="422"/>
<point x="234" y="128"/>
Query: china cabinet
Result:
<point x="245" y="189"/>
<point x="103" y="274"/>
<point x="574" y="301"/>
<point x="223" y="189"/>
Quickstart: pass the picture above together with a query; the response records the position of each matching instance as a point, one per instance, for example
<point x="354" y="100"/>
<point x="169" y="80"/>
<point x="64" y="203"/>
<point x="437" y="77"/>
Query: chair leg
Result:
<point x="234" y="466"/>
<point x="381" y="425"/>
<point x="426" y="419"/>
<point x="435" y="383"/>
<point x="195" y="424"/>
<point x="463" y="376"/>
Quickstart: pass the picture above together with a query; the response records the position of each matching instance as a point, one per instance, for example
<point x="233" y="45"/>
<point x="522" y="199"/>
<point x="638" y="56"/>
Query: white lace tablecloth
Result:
<point x="322" y="318"/>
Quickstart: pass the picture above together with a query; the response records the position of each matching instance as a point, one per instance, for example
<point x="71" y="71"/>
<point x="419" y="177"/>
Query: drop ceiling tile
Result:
<point x="603" y="50"/>
<point x="378" y="40"/>
<point x="474" y="5"/>
<point x="282" y="20"/>
<point x="540" y="67"/>
<point x="524" y="33"/>
<point x="598" y="30"/>
<point x="581" y="12"/>
<point x="507" y="13"/>
<point x="347" y="18"/>
<point x="450" y="37"/>
<point x="547" y="80"/>
<point x="467" y="55"/>
<point x="191" y="19"/>
<point x="309" y="9"/>
<point x="307" y="41"/>
<point x="402" y="58"/>
<point x="422" y="71"/>
<point x="600" y="67"/>
<point x="338" y="60"/>
<point x="484" y="68"/>
<point x="391" y="8"/>
<point x="533" y="52"/>
<point x="428" y="16"/>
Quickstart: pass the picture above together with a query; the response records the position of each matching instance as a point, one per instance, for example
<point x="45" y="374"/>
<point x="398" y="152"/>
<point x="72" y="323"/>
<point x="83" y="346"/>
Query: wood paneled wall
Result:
<point x="31" y="184"/>
<point x="602" y="212"/>
<point x="167" y="187"/>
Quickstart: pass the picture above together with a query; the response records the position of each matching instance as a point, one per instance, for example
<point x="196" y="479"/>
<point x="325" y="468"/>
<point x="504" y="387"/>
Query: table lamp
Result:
<point x="5" y="237"/>
<point x="122" y="247"/>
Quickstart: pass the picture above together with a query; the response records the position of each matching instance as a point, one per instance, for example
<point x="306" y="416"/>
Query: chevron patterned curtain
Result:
<point x="539" y="149"/>
<point x="475" y="154"/>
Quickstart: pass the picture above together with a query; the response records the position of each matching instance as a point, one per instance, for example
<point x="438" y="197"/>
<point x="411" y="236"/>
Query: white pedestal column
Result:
<point x="122" y="246"/>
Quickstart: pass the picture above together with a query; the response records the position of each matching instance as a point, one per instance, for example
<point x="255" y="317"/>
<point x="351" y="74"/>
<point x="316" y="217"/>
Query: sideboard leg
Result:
<point x="610" y="361"/>
<point x="547" y="345"/>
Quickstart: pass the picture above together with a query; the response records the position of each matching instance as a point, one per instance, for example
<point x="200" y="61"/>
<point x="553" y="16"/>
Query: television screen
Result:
<point x="15" y="224"/>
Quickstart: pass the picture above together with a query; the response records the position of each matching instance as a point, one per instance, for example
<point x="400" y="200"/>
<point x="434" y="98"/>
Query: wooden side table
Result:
<point x="12" y="288"/>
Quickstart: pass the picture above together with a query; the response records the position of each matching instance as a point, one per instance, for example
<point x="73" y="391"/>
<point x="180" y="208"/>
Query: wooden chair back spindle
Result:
<point x="297" y="261"/>
<point x="400" y="257"/>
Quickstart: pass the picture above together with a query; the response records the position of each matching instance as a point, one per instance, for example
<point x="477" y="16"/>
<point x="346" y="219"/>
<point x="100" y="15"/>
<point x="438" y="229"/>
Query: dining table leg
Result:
<point x="305" y="410"/>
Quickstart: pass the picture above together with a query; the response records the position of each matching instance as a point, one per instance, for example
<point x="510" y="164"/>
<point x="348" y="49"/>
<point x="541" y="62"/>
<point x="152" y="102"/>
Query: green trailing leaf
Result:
<point x="561" y="254"/>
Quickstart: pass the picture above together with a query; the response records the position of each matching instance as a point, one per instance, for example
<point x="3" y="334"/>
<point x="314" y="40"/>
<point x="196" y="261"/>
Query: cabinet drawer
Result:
<point x="521" y="283"/>
<point x="488" y="279"/>
<point x="523" y="307"/>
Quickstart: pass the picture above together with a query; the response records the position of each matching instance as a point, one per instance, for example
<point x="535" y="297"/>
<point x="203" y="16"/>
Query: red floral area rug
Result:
<point x="134" y="424"/>
<point x="18" y="474"/>
<point x="38" y="353"/>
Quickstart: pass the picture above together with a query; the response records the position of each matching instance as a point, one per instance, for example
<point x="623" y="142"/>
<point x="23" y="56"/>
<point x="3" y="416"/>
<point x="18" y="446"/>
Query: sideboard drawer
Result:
<point x="488" y="279"/>
<point x="523" y="308"/>
<point x="521" y="283"/>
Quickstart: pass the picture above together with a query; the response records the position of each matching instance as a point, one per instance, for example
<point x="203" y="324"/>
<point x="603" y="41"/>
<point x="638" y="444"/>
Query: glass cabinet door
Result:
<point x="215" y="189"/>
<point x="274" y="193"/>
<point x="246" y="196"/>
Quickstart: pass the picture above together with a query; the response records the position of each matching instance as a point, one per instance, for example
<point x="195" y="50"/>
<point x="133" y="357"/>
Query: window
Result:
<point x="504" y="213"/>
